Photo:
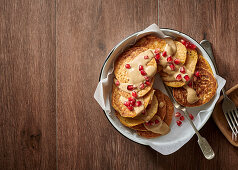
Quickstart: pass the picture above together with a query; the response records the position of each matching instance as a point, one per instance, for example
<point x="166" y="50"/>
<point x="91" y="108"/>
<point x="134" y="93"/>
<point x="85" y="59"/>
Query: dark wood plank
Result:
<point x="27" y="85"/>
<point x="86" y="32"/>
<point x="216" y="19"/>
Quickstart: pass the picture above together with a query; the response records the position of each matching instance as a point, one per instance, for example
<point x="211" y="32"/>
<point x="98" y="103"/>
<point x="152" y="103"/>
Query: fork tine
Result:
<point x="229" y="123"/>
<point x="234" y="117"/>
<point x="229" y="114"/>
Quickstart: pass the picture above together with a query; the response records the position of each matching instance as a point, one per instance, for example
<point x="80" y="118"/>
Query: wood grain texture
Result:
<point x="86" y="32"/>
<point x="27" y="85"/>
<point x="216" y="19"/>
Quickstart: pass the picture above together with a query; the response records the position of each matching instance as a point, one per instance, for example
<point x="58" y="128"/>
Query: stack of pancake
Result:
<point x="147" y="110"/>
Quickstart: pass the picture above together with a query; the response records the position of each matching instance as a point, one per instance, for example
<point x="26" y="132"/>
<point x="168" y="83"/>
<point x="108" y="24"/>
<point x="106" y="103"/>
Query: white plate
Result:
<point x="178" y="136"/>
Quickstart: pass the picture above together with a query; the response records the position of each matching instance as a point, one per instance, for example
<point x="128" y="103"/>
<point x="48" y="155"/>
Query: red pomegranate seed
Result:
<point x="146" y="57"/>
<point x="143" y="113"/>
<point x="172" y="66"/>
<point x="131" y="98"/>
<point x="182" y="70"/>
<point x="133" y="102"/>
<point x="177" y="114"/>
<point x="186" y="77"/>
<point x="170" y="59"/>
<point x="156" y="51"/>
<point x="147" y="123"/>
<point x="179" y="123"/>
<point x="187" y="44"/>
<point x="151" y="123"/>
<point x="176" y="61"/>
<point x="141" y="67"/>
<point x="183" y="41"/>
<point x="147" y="78"/>
<point x="181" y="118"/>
<point x="127" y="103"/>
<point x="197" y="74"/>
<point x="130" y="108"/>
<point x="134" y="94"/>
<point x="142" y="72"/>
<point x="156" y="121"/>
<point x="130" y="87"/>
<point x="191" y="116"/>
<point x="178" y="77"/>
<point x="192" y="46"/>
<point x="142" y="86"/>
<point x="128" y="66"/>
<point x="157" y="56"/>
<point x="138" y="103"/>
<point x="117" y="83"/>
<point x="190" y="84"/>
<point x="164" y="54"/>
<point x="147" y="83"/>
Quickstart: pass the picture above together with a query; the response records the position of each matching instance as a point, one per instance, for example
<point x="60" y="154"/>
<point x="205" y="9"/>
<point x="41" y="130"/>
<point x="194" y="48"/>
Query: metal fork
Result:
<point x="228" y="106"/>
<point x="204" y="145"/>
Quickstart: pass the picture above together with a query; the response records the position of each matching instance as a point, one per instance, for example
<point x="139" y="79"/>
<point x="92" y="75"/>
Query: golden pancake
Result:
<point x="190" y="64"/>
<point x="153" y="42"/>
<point x="205" y="87"/>
<point x="168" y="118"/>
<point x="151" y="110"/>
<point x="202" y="63"/>
<point x="120" y="70"/>
<point x="121" y="108"/>
<point x="161" y="109"/>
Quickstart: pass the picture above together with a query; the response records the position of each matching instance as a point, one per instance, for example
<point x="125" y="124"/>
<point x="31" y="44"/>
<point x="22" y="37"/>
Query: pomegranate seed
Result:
<point x="157" y="56"/>
<point x="130" y="108"/>
<point x="127" y="103"/>
<point x="141" y="67"/>
<point x="156" y="121"/>
<point x="179" y="123"/>
<point x="187" y="44"/>
<point x="147" y="78"/>
<point x="146" y="57"/>
<point x="131" y="98"/>
<point x="147" y="123"/>
<point x="143" y="113"/>
<point x="134" y="94"/>
<point x="177" y="114"/>
<point x="178" y="77"/>
<point x="192" y="46"/>
<point x="190" y="84"/>
<point x="164" y="54"/>
<point x="169" y="59"/>
<point x="147" y="83"/>
<point x="195" y="78"/>
<point x="132" y="103"/>
<point x="183" y="41"/>
<point x="191" y="116"/>
<point x="176" y="61"/>
<point x="138" y="103"/>
<point x="142" y="86"/>
<point x="197" y="74"/>
<point x="151" y="123"/>
<point x="182" y="70"/>
<point x="172" y="66"/>
<point x="181" y="118"/>
<point x="128" y="66"/>
<point x="130" y="87"/>
<point x="156" y="51"/>
<point x="186" y="77"/>
<point x="117" y="83"/>
<point x="142" y="72"/>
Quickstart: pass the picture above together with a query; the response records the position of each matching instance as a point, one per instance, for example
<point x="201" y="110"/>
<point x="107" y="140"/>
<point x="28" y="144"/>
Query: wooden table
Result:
<point x="51" y="53"/>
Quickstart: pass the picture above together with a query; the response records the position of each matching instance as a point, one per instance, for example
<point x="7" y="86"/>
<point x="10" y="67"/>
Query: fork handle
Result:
<point x="203" y="143"/>
<point x="208" y="48"/>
